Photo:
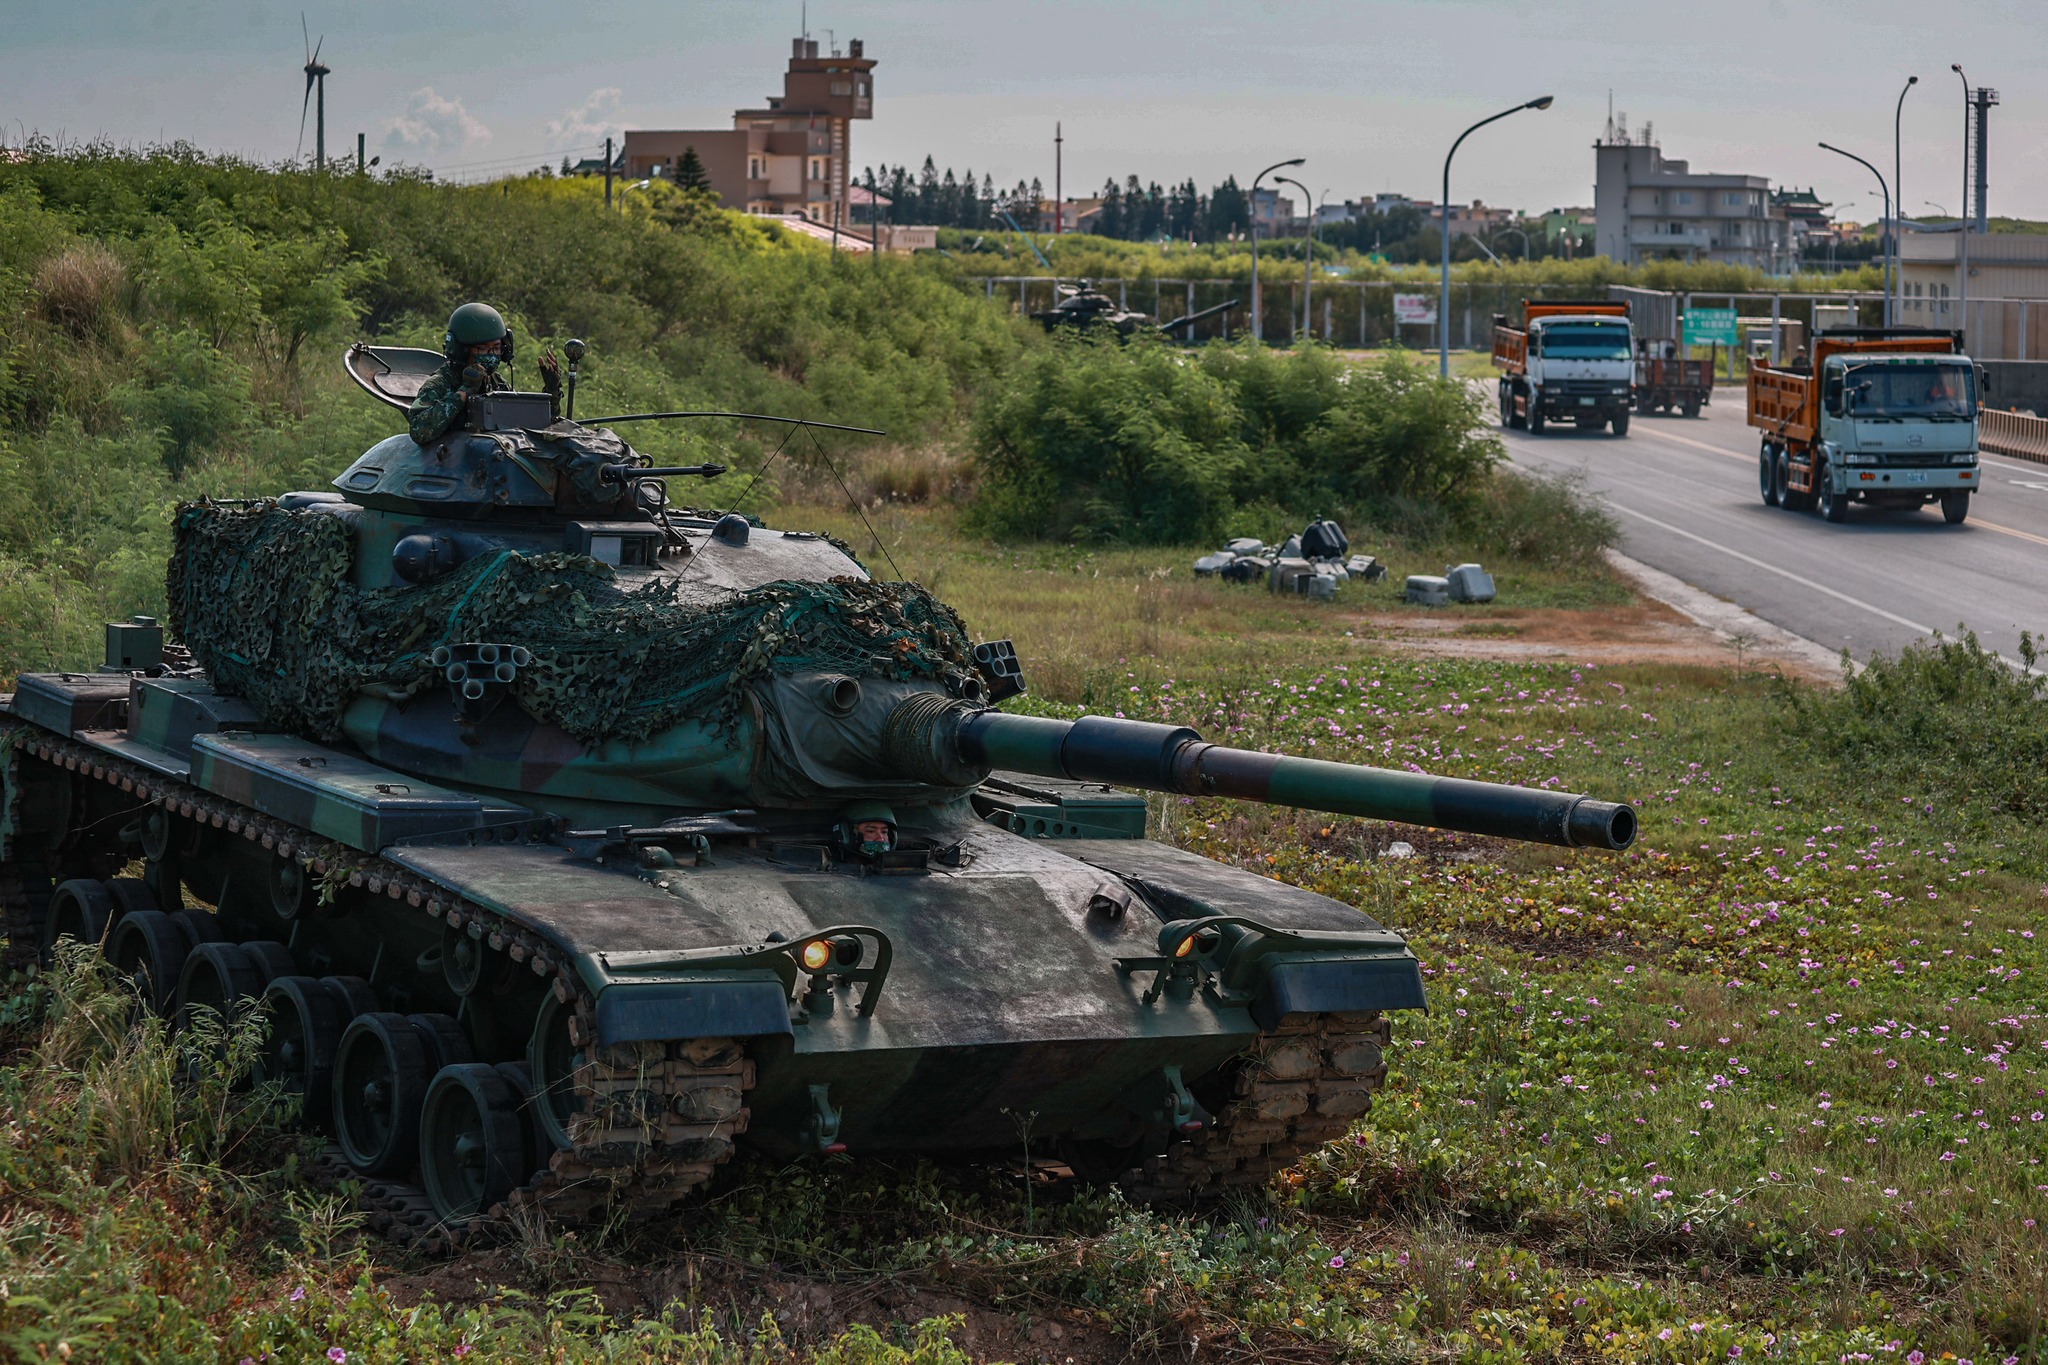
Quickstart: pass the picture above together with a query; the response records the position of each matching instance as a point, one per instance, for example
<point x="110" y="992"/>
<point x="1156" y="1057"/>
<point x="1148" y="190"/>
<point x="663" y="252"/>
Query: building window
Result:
<point x="1684" y="198"/>
<point x="842" y="87"/>
<point x="755" y="170"/>
<point x="1733" y="199"/>
<point x="817" y="167"/>
<point x="863" y="88"/>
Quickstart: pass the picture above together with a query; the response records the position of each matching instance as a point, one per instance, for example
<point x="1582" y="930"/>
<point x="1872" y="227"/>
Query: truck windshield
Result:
<point x="1911" y="390"/>
<point x="1587" y="341"/>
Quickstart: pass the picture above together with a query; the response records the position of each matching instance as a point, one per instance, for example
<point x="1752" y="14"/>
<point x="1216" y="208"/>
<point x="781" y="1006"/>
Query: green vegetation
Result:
<point x="170" y="325"/>
<point x="1090" y="439"/>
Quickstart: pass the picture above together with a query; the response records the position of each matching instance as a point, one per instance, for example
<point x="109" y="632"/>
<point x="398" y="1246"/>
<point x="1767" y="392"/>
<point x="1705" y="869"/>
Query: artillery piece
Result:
<point x="535" y="810"/>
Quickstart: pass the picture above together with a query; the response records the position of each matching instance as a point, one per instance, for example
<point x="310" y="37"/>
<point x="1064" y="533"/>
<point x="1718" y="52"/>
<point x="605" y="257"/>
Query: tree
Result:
<point x="690" y="173"/>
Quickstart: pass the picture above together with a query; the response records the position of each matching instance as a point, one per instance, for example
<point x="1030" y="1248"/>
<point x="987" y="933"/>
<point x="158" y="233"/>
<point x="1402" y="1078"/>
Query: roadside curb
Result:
<point x="1727" y="621"/>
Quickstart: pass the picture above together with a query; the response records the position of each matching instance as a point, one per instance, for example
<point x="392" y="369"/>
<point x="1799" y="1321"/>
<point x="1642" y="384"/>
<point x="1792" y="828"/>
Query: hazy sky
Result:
<point x="1370" y="91"/>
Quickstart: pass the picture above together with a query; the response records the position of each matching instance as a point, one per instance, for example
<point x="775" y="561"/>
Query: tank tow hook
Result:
<point x="824" y="1125"/>
<point x="1167" y="1097"/>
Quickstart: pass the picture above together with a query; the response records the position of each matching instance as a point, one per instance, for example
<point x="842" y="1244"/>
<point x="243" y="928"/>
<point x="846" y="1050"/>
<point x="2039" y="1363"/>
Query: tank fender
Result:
<point x="645" y="1011"/>
<point x="1236" y="960"/>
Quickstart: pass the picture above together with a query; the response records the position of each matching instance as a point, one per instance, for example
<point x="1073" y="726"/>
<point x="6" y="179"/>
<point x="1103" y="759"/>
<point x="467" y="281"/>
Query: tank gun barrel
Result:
<point x="939" y="739"/>
<point x="1192" y="318"/>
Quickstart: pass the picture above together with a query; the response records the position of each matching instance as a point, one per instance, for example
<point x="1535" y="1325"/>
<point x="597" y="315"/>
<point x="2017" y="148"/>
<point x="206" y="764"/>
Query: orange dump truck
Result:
<point x="1883" y="416"/>
<point x="1569" y="361"/>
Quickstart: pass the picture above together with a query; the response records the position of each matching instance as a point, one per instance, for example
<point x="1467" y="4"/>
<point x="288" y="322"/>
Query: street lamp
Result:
<point x="1963" y="246"/>
<point x="1254" y="202"/>
<point x="1308" y="264"/>
<point x="1443" y="308"/>
<point x="1525" y="241"/>
<point x="1899" y="198"/>
<point x="1884" y="190"/>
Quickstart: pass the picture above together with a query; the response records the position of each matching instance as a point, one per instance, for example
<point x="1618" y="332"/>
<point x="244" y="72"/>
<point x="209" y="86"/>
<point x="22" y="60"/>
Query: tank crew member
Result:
<point x="474" y="348"/>
<point x="866" y="829"/>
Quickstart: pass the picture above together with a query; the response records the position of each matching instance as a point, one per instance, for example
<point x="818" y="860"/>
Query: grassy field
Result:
<point x="1769" y="1085"/>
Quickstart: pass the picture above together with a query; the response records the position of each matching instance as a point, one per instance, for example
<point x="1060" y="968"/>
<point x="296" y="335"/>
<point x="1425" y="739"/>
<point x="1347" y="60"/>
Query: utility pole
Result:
<point x="1059" y="198"/>
<point x="359" y="154"/>
<point x="607" y="173"/>
<point x="1963" y="223"/>
<point x="1891" y="307"/>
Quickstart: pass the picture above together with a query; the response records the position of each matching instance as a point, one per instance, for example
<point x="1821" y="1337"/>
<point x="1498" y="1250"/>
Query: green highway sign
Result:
<point x="1704" y="326"/>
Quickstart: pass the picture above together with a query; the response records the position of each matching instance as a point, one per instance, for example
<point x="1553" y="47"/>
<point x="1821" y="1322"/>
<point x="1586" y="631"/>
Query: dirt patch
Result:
<point x="1646" y="633"/>
<point x="809" y="1312"/>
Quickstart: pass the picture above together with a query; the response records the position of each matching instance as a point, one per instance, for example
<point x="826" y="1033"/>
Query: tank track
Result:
<point x="656" y="1119"/>
<point x="1300" y="1086"/>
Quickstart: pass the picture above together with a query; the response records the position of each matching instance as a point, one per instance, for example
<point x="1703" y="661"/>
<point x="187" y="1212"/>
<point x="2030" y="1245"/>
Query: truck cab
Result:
<point x="1893" y="424"/>
<point x="1570" y="362"/>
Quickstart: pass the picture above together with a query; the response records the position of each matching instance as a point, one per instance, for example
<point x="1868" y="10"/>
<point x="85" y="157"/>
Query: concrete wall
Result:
<point x="2021" y="384"/>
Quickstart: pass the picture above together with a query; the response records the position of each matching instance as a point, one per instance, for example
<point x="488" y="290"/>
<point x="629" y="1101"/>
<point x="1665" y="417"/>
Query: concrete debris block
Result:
<point x="1399" y="849"/>
<point x="1210" y="565"/>
<point x="1428" y="590"/>
<point x="1245" y="569"/>
<point x="1291" y="548"/>
<point x="1365" y="567"/>
<point x="1469" y="583"/>
<point x="1245" y="545"/>
<point x="1288" y="574"/>
<point x="1322" y="587"/>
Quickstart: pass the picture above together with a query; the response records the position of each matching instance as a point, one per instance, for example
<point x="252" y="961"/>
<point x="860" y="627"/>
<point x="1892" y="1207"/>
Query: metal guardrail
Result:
<point x="2013" y="433"/>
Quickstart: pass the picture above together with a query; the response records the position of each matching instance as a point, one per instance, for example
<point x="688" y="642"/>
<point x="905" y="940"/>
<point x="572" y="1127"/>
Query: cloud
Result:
<point x="589" y="123"/>
<point x="432" y="123"/>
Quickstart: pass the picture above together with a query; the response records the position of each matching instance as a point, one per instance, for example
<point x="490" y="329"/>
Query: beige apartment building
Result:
<point x="1647" y="206"/>
<point x="792" y="157"/>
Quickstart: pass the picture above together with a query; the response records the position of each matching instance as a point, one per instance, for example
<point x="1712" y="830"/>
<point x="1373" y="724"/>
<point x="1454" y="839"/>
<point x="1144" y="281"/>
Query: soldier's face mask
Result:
<point x="487" y="355"/>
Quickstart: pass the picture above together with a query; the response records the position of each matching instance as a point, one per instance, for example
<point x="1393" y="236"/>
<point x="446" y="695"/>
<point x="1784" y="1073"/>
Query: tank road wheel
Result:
<point x="149" y="948"/>
<point x="305" y="1031"/>
<point x="472" y="1143"/>
<point x="552" y="1058"/>
<point x="293" y="892"/>
<point x="538" y="1147"/>
<point x="446" y="1041"/>
<point x="380" y="1081"/>
<point x="131" y="894"/>
<point x="1767" y="474"/>
<point x="1955" y="506"/>
<point x="1833" y="506"/>
<point x="353" y="994"/>
<point x="272" y="959"/>
<point x="221" y="977"/>
<point x="81" y="910"/>
<point x="462" y="961"/>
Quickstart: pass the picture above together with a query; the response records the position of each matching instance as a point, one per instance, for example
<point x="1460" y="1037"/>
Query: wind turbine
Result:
<point x="316" y="78"/>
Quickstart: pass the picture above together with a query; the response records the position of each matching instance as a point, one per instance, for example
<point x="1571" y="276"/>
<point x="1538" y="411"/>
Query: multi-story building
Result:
<point x="792" y="157"/>
<point x="1649" y="207"/>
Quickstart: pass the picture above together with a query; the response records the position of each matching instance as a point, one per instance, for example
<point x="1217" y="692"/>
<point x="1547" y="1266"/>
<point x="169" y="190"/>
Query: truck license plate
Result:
<point x="1916" y="476"/>
<point x="1585" y="402"/>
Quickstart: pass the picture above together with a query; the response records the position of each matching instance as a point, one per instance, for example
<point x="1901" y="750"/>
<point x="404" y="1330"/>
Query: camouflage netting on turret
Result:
<point x="264" y="598"/>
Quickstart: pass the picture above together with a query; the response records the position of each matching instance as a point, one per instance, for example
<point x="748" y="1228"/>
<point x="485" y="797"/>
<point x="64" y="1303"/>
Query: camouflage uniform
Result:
<point x="442" y="400"/>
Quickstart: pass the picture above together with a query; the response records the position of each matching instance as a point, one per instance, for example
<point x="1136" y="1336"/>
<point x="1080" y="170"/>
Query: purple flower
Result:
<point x="299" y="1294"/>
<point x="1915" y="1357"/>
<point x="1336" y="1263"/>
<point x="337" y="1355"/>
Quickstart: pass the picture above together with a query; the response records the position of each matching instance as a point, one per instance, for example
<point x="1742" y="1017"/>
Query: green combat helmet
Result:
<point x="854" y="835"/>
<point x="475" y="324"/>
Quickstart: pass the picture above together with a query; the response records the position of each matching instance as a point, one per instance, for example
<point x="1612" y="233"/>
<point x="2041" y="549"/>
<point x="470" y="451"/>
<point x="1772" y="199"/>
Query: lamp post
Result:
<point x="1525" y="241"/>
<point x="1963" y="224"/>
<point x="1884" y="190"/>
<point x="1253" y="201"/>
<point x="1898" y="198"/>
<point x="1307" y="261"/>
<point x="1443" y="307"/>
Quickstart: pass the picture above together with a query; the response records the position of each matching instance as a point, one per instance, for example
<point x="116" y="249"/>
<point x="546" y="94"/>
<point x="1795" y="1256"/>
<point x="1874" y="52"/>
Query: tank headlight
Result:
<point x="817" y="955"/>
<point x="1187" y="947"/>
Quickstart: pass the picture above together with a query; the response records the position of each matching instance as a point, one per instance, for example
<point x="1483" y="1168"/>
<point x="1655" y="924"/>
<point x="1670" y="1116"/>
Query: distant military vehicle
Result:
<point x="572" y="837"/>
<point x="1086" y="308"/>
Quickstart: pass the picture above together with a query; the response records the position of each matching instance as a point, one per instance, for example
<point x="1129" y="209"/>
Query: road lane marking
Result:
<point x="1802" y="581"/>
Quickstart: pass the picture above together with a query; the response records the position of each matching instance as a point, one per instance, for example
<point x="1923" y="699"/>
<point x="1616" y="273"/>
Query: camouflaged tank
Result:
<point x="547" y="821"/>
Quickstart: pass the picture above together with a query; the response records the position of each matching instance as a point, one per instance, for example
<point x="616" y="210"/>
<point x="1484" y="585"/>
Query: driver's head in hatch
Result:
<point x="867" y="829"/>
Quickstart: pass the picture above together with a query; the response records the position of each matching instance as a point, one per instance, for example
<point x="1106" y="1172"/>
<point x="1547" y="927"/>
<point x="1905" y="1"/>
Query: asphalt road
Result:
<point x="1685" y="492"/>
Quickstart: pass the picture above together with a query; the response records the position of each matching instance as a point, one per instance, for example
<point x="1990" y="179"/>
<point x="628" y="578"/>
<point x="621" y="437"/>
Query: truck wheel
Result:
<point x="1767" y="476"/>
<point x="1507" y="406"/>
<point x="1535" y="419"/>
<point x="1781" y="480"/>
<point x="1955" y="505"/>
<point x="1833" y="506"/>
<point x="1692" y="407"/>
<point x="1621" y="424"/>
